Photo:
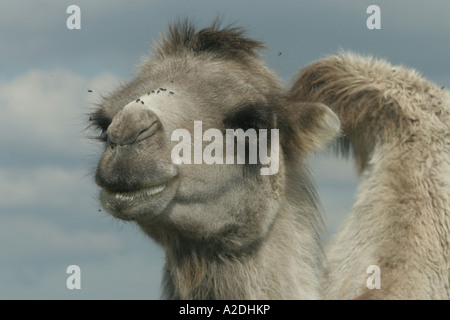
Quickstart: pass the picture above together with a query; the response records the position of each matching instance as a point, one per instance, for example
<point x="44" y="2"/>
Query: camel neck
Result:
<point x="280" y="267"/>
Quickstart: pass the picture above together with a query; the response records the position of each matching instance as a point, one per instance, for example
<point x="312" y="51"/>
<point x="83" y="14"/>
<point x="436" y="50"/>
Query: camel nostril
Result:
<point x="132" y="124"/>
<point x="137" y="136"/>
<point x="148" y="132"/>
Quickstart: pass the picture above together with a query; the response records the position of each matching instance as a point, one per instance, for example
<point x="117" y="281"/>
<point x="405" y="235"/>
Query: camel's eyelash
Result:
<point x="103" y="136"/>
<point x="100" y="122"/>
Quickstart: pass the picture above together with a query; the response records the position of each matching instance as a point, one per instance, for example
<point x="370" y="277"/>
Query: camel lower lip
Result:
<point x="134" y="195"/>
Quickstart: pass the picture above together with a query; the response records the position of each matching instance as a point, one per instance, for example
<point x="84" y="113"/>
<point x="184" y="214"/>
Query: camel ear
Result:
<point x="313" y="127"/>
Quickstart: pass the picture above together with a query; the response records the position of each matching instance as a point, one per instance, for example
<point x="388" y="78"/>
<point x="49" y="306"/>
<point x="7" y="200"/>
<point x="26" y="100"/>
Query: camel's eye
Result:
<point x="255" y="116"/>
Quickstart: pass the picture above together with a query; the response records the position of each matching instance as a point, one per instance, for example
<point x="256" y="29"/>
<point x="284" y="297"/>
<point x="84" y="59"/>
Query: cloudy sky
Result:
<point x="49" y="216"/>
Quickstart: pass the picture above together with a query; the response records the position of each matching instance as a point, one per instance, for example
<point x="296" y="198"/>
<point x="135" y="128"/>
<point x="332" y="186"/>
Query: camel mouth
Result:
<point x="115" y="199"/>
<point x="137" y="194"/>
<point x="142" y="203"/>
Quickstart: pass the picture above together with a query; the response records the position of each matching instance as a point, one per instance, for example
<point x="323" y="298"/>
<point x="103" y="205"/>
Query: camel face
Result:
<point x="221" y="83"/>
<point x="138" y="176"/>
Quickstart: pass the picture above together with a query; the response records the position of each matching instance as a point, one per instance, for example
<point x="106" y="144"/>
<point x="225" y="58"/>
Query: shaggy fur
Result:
<point x="228" y="232"/>
<point x="398" y="126"/>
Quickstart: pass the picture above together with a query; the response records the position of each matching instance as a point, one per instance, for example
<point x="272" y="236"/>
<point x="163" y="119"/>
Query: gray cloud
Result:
<point x="413" y="32"/>
<point x="42" y="239"/>
<point x="44" y="113"/>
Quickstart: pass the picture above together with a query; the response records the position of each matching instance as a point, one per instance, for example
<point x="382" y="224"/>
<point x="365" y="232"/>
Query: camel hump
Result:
<point x="377" y="102"/>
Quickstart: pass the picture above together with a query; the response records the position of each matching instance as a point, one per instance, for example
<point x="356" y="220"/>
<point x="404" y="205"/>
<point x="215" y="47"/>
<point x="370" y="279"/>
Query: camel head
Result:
<point x="172" y="137"/>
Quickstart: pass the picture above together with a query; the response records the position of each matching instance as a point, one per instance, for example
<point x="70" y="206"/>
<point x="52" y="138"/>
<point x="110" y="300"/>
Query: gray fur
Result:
<point x="398" y="124"/>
